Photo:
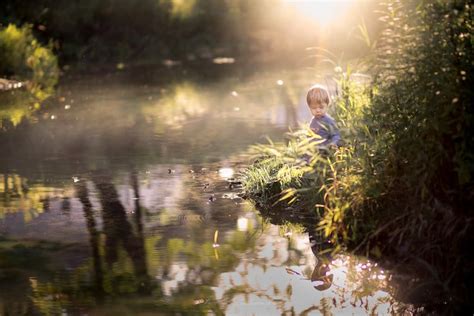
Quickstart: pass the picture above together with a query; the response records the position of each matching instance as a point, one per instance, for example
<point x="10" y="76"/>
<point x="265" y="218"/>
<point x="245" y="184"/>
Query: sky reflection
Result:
<point x="263" y="283"/>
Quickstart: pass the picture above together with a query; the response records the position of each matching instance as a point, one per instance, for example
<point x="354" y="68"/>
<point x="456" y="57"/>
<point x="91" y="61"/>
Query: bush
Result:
<point x="25" y="59"/>
<point x="425" y="105"/>
<point x="403" y="186"/>
<point x="422" y="116"/>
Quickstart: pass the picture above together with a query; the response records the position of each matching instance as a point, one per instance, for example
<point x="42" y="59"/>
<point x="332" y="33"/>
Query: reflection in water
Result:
<point x="343" y="284"/>
<point x="112" y="231"/>
<point x="278" y="280"/>
<point x="83" y="195"/>
<point x="320" y="278"/>
<point x="175" y="107"/>
<point x="242" y="224"/>
<point x="226" y="173"/>
<point x="79" y="139"/>
<point x="118" y="231"/>
<point x="29" y="201"/>
<point x="131" y="245"/>
<point x="66" y="206"/>
<point x="288" y="103"/>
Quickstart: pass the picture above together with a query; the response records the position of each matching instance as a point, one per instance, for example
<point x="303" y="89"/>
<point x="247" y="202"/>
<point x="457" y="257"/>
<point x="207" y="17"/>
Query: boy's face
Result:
<point x="318" y="109"/>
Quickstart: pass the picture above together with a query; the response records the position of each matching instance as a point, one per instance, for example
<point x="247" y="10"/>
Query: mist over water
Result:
<point x="121" y="197"/>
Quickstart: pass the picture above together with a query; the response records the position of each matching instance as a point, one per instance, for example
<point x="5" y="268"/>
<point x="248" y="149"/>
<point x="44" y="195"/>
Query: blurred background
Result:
<point x="148" y="31"/>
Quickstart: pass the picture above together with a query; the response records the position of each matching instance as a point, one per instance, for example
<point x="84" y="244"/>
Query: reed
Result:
<point x="402" y="188"/>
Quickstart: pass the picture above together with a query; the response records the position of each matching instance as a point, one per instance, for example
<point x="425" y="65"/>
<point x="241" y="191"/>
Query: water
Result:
<point x="119" y="198"/>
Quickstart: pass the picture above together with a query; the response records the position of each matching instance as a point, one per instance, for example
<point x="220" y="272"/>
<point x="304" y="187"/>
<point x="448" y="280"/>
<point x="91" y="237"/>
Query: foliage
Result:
<point x="427" y="115"/>
<point x="145" y="31"/>
<point x="331" y="181"/>
<point x="24" y="58"/>
<point x="286" y="171"/>
<point x="424" y="155"/>
<point x="403" y="185"/>
<point x="14" y="107"/>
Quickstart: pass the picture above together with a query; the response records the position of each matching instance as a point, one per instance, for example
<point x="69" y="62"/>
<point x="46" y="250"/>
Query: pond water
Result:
<point x="118" y="198"/>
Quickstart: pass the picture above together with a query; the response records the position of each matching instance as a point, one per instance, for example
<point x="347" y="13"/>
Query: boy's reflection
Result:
<point x="320" y="278"/>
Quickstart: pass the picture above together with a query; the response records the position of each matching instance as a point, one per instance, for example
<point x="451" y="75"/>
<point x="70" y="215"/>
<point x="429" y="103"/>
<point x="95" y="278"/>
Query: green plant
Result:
<point x="286" y="172"/>
<point x="403" y="186"/>
<point x="25" y="59"/>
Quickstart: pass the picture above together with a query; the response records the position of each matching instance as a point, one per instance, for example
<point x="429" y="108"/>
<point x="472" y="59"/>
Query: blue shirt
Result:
<point x="326" y="128"/>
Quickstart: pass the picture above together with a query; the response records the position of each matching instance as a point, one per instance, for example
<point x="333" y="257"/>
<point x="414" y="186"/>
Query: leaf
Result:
<point x="364" y="33"/>
<point x="288" y="193"/>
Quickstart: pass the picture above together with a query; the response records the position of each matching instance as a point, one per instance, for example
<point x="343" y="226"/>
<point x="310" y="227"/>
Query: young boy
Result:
<point x="322" y="124"/>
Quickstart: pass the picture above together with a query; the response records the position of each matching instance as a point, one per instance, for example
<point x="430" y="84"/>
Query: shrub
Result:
<point x="403" y="186"/>
<point x="425" y="104"/>
<point x="25" y="59"/>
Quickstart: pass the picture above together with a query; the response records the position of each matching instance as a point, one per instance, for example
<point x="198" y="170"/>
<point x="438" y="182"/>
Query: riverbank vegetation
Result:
<point x="402" y="187"/>
<point x="33" y="64"/>
<point x="24" y="58"/>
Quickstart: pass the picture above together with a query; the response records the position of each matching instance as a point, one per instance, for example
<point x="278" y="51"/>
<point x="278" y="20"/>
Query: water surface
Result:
<point x="119" y="198"/>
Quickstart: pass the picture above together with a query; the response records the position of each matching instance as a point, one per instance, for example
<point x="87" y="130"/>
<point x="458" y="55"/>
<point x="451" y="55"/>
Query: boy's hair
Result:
<point x="317" y="93"/>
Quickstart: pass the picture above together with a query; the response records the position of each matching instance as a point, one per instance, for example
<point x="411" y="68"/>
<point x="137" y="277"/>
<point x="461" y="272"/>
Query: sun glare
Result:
<point x="324" y="12"/>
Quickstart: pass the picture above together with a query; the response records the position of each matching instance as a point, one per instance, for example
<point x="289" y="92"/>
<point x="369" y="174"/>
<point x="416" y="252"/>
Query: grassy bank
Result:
<point x="402" y="188"/>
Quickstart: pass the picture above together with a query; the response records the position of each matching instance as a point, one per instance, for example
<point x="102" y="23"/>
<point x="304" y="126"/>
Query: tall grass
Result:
<point x="298" y="174"/>
<point x="283" y="173"/>
<point x="403" y="186"/>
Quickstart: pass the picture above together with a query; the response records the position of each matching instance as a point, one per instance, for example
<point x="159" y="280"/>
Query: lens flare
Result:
<point x="324" y="12"/>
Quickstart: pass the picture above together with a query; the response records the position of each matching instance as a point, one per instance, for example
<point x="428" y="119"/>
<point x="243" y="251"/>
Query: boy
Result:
<point x="322" y="124"/>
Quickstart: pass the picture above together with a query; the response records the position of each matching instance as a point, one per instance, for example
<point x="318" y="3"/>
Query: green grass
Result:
<point x="286" y="173"/>
<point x="402" y="187"/>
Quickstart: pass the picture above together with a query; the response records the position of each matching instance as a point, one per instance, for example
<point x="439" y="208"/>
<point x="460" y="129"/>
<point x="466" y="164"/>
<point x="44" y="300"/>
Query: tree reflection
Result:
<point x="6" y="190"/>
<point x="14" y="107"/>
<point x="83" y="195"/>
<point x="17" y="196"/>
<point x="108" y="273"/>
<point x="119" y="231"/>
<point x="119" y="273"/>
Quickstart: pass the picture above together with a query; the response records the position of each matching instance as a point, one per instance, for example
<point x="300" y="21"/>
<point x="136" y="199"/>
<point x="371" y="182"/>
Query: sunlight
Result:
<point x="182" y="8"/>
<point x="242" y="224"/>
<point x="324" y="12"/>
<point x="226" y="173"/>
<point x="177" y="104"/>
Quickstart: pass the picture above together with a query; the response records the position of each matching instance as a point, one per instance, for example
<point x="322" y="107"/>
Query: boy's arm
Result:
<point x="312" y="124"/>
